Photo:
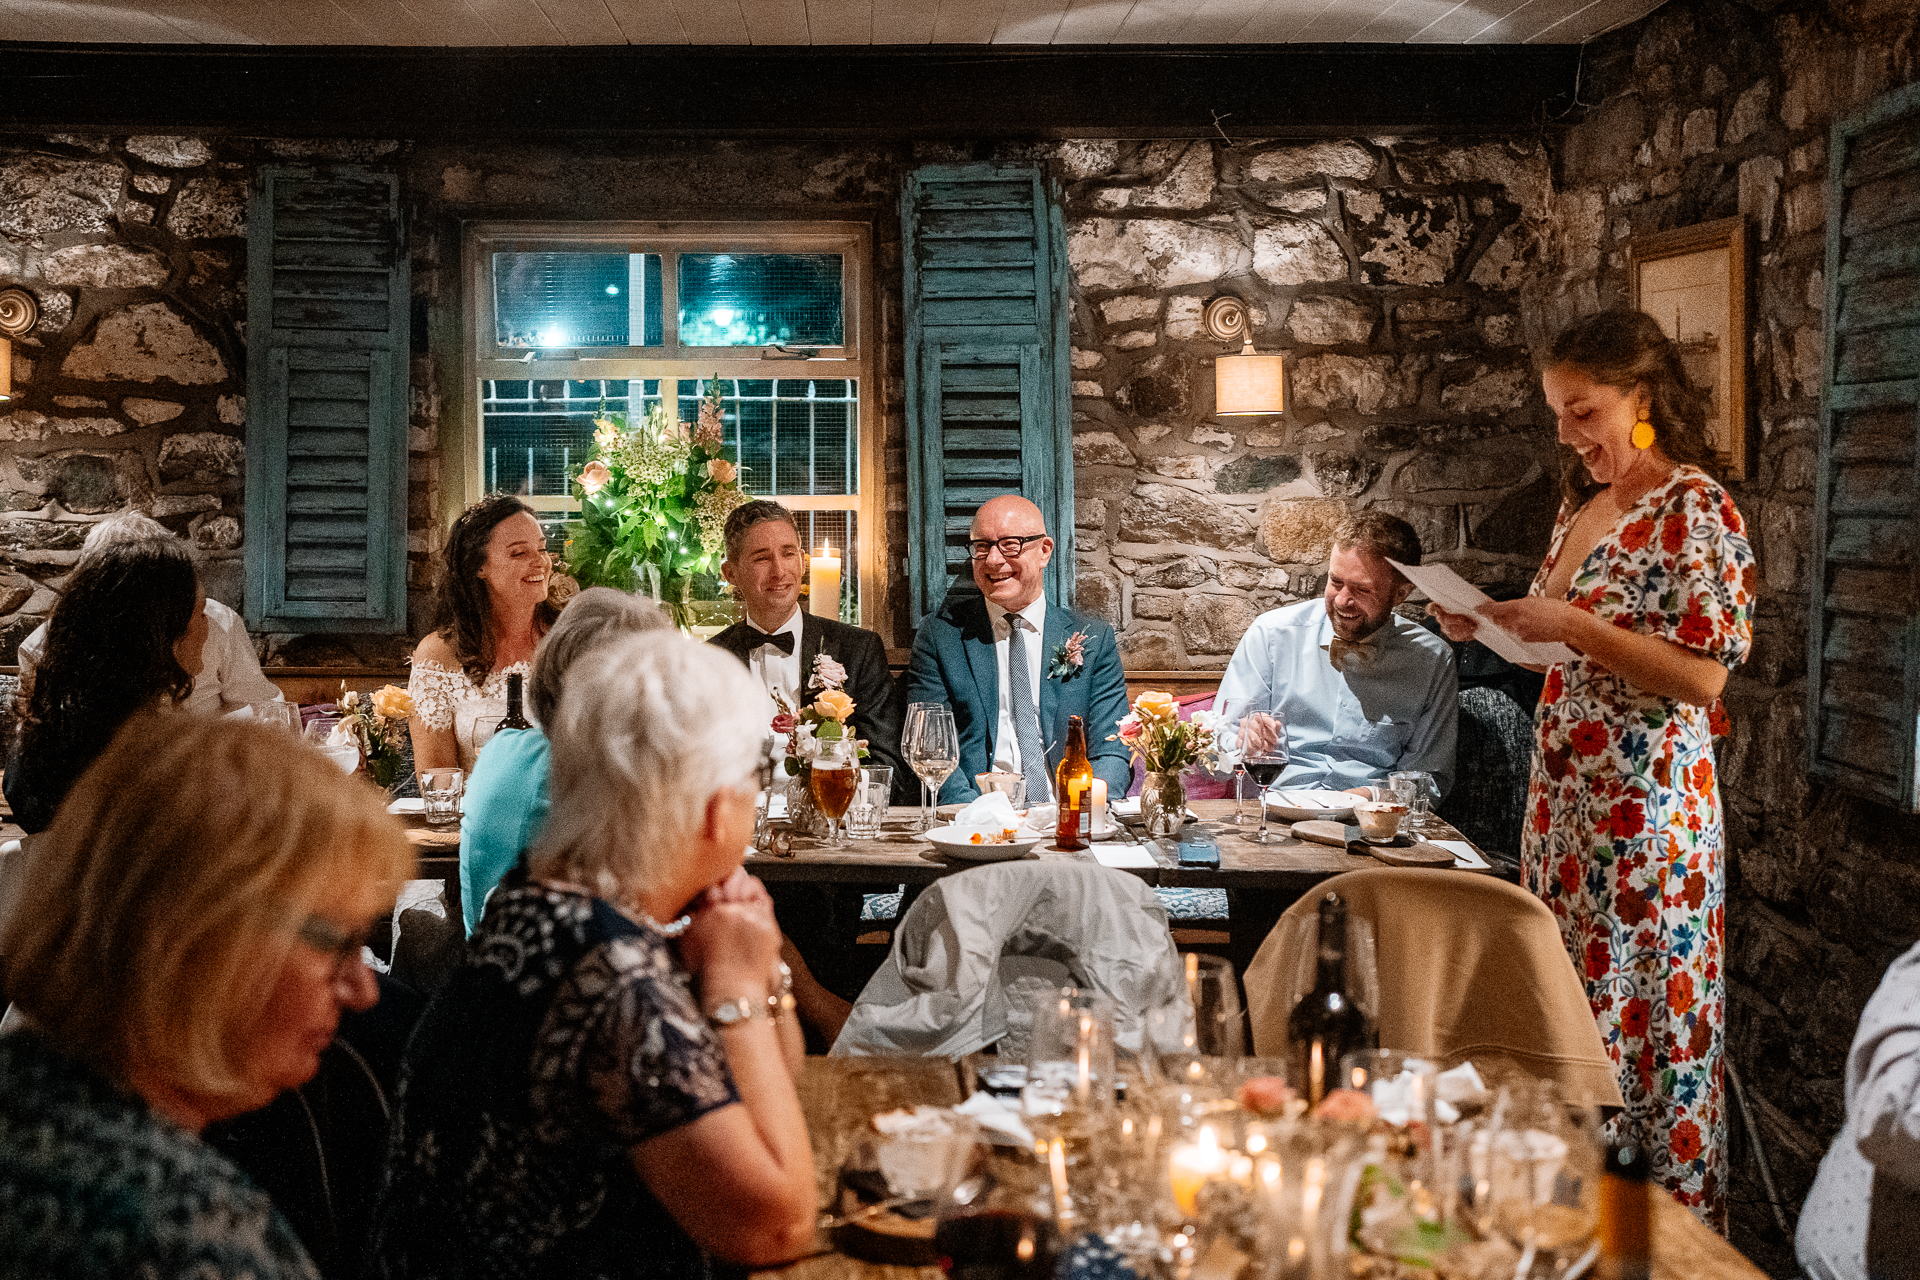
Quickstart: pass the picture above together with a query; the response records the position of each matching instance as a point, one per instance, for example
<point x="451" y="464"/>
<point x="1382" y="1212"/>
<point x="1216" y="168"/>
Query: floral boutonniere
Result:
<point x="1069" y="657"/>
<point x="827" y="673"/>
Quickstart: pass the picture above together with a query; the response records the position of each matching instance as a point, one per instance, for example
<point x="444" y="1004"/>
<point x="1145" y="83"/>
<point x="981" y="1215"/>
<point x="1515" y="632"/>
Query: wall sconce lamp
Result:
<point x="18" y="313"/>
<point x="1248" y="383"/>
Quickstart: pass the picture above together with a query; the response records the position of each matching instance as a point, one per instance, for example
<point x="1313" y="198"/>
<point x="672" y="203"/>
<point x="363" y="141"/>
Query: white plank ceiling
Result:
<point x="549" y="23"/>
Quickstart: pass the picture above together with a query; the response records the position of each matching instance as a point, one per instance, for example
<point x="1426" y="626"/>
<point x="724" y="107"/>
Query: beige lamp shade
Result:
<point x="1248" y="383"/>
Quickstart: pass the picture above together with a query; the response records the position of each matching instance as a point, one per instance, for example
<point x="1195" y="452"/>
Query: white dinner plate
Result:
<point x="1305" y="804"/>
<point x="955" y="844"/>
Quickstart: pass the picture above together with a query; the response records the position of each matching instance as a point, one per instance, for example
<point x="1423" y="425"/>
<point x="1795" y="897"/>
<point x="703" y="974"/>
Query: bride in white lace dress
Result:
<point x="493" y="609"/>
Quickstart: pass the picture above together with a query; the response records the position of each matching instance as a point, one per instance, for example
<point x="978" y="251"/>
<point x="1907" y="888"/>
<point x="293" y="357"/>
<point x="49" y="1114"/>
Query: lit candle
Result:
<point x="1099" y="804"/>
<point x="1190" y="1167"/>
<point x="823" y="584"/>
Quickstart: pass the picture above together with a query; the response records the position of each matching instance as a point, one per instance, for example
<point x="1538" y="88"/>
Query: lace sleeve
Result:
<point x="435" y="689"/>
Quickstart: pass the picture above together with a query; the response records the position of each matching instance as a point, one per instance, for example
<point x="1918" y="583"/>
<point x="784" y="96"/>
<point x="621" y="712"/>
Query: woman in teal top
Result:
<point x="505" y="807"/>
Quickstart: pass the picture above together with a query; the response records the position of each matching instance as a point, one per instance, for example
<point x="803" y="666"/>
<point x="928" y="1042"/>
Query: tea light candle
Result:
<point x="1099" y="804"/>
<point x="1189" y="1167"/>
<point x="823" y="584"/>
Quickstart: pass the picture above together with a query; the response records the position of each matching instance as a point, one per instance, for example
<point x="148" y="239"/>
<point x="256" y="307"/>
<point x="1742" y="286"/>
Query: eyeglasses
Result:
<point x="1009" y="547"/>
<point x="329" y="939"/>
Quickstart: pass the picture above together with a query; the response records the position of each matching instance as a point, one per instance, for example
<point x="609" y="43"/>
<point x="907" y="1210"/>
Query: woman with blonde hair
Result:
<point x="188" y="935"/>
<point x="596" y="1092"/>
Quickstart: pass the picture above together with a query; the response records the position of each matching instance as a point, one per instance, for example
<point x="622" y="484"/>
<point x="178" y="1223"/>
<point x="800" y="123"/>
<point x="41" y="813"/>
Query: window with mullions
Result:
<point x="572" y="320"/>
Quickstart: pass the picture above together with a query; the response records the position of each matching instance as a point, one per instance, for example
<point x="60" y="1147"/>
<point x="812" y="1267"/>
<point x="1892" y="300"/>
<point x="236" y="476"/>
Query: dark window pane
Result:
<point x="535" y="435"/>
<point x="758" y="299"/>
<point x="576" y="299"/>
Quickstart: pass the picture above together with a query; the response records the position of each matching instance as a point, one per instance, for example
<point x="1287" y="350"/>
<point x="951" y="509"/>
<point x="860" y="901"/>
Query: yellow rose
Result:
<point x="834" y="705"/>
<point x="1153" y="705"/>
<point x="722" y="471"/>
<point x="392" y="703"/>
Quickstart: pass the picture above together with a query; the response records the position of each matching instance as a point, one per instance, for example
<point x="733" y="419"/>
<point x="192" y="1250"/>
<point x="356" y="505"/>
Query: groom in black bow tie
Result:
<point x="787" y="647"/>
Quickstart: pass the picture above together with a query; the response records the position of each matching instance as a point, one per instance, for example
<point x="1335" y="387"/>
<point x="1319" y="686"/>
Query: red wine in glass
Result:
<point x="1265" y="770"/>
<point x="996" y="1244"/>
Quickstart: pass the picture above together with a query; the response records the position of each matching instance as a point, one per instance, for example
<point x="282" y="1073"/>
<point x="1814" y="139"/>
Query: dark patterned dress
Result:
<point x="569" y="1035"/>
<point x="1624" y="840"/>
<point x="94" y="1183"/>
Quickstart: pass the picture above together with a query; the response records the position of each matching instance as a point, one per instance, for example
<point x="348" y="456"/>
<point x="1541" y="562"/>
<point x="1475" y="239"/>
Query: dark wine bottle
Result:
<point x="515" y="717"/>
<point x="1626" y="1210"/>
<point x="1326" y="1025"/>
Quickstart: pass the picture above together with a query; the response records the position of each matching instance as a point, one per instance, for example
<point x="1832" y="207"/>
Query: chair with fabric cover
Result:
<point x="1495" y="755"/>
<point x="1471" y="968"/>
<point x="976" y="947"/>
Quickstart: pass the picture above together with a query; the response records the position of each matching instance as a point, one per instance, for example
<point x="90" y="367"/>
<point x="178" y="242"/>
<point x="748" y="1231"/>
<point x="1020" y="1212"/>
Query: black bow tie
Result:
<point x="783" y="641"/>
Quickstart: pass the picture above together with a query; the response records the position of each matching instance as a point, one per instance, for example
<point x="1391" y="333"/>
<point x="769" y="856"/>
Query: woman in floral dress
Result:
<point x="1650" y="580"/>
<point x="493" y="605"/>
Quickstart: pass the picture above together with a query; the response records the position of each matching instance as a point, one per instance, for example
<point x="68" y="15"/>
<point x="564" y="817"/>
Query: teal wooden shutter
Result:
<point x="326" y="402"/>
<point x="987" y="398"/>
<point x="1863" y="672"/>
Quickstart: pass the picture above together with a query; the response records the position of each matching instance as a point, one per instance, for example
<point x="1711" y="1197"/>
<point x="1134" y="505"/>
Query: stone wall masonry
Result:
<point x="1706" y="109"/>
<point x="128" y="392"/>
<point x="1389" y="273"/>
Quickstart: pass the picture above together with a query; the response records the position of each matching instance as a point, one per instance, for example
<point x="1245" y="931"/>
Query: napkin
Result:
<point x="1450" y="1088"/>
<point x="1122" y="855"/>
<point x="408" y="804"/>
<point x="1463" y="854"/>
<point x="994" y="1114"/>
<point x="991" y="812"/>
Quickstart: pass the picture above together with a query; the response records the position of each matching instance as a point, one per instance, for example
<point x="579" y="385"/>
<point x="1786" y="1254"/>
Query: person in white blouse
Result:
<point x="493" y="610"/>
<point x="231" y="677"/>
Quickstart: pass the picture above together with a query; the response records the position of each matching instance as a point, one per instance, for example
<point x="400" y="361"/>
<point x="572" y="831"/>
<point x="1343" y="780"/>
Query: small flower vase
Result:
<point x="802" y="813"/>
<point x="1163" y="803"/>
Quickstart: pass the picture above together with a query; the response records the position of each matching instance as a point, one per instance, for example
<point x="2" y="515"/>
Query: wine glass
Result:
<point x="340" y="748"/>
<point x="1000" y="1220"/>
<point x="832" y="778"/>
<point x="1232" y="712"/>
<point x="1219" y="1027"/>
<point x="933" y="751"/>
<point x="1543" y="1178"/>
<point x="1265" y="768"/>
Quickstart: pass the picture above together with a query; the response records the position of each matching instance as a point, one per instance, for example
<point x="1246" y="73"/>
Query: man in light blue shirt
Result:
<point x="1361" y="691"/>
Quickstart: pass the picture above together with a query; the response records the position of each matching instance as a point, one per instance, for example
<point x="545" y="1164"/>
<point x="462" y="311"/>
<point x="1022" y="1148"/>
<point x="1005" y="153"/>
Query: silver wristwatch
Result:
<point x="732" y="1013"/>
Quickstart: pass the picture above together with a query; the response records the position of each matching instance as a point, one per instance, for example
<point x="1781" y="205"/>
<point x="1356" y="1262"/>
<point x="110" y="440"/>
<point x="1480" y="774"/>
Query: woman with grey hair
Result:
<point x="589" y="1094"/>
<point x="506" y="801"/>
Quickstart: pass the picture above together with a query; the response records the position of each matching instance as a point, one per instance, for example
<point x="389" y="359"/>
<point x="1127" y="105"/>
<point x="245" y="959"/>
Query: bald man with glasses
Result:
<point x="1014" y="665"/>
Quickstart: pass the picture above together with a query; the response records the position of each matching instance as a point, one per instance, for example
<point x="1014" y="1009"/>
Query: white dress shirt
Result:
<point x="1006" y="742"/>
<point x="778" y="673"/>
<point x="230" y="675"/>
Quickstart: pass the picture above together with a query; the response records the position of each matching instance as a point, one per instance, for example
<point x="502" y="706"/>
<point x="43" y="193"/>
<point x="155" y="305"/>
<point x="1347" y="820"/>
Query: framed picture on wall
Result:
<point x="1693" y="280"/>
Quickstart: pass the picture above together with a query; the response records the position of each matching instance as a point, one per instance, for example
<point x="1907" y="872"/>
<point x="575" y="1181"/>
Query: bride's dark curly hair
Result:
<point x="461" y="601"/>
<point x="1621" y="349"/>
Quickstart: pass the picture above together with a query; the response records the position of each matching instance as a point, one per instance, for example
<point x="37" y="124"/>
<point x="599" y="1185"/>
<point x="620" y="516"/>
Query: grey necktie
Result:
<point x="1026" y="718"/>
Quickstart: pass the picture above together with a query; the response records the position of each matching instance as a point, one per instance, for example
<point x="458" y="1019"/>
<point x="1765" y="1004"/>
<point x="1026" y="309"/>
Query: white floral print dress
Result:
<point x="1623" y="838"/>
<point x="446" y="698"/>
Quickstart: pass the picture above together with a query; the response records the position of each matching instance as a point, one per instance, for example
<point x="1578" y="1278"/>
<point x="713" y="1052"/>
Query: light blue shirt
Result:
<point x="502" y="813"/>
<point x="1396" y="709"/>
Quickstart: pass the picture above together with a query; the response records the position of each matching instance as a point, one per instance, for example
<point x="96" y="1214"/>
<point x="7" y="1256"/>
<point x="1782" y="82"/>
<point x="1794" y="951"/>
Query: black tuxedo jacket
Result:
<point x="876" y="703"/>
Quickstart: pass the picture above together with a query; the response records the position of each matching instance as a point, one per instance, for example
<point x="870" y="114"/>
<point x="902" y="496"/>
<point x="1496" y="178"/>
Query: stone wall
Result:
<point x="1389" y="272"/>
<point x="1707" y="109"/>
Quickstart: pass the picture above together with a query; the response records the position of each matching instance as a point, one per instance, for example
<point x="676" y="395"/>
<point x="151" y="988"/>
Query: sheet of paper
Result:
<point x="1464" y="854"/>
<point x="1456" y="595"/>
<point x="777" y="806"/>
<point x="1122" y="855"/>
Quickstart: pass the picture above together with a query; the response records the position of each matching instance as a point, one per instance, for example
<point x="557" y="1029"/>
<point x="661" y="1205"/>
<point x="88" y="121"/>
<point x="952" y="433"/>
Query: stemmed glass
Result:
<point x="1232" y="712"/>
<point x="833" y="777"/>
<point x="932" y="745"/>
<point x="1543" y="1178"/>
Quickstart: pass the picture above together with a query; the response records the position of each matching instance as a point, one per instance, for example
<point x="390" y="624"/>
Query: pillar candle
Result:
<point x="823" y="584"/>
<point x="1099" y="804"/>
<point x="1191" y="1166"/>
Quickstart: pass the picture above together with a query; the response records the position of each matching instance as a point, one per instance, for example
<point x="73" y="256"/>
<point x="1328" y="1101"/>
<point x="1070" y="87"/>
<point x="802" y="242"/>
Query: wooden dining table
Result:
<point x="840" y="1095"/>
<point x="1260" y="880"/>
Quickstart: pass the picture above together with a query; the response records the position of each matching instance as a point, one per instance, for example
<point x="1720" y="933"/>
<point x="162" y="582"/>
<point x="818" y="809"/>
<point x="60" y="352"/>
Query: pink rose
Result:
<point x="721" y="471"/>
<point x="1129" y="731"/>
<point x="1073" y="650"/>
<point x="1265" y="1095"/>
<point x="708" y="432"/>
<point x="783" y="723"/>
<point x="827" y="674"/>
<point x="594" y="476"/>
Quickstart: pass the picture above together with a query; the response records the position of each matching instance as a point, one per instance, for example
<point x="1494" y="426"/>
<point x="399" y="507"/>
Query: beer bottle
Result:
<point x="1626" y="1209"/>
<point x="1073" y="788"/>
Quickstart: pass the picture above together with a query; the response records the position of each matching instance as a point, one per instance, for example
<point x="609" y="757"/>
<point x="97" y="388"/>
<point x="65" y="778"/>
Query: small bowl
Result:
<point x="956" y="843"/>
<point x="1379" y="820"/>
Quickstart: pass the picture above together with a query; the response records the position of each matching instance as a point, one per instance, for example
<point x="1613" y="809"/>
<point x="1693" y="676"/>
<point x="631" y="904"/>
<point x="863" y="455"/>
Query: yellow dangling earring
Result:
<point x="1643" y="434"/>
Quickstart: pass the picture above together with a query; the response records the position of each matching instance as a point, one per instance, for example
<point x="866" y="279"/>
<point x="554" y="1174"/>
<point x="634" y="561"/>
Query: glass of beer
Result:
<point x="833" y="779"/>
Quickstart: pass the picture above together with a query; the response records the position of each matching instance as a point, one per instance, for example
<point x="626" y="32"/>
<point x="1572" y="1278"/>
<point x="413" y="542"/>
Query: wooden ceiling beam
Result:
<point x="907" y="93"/>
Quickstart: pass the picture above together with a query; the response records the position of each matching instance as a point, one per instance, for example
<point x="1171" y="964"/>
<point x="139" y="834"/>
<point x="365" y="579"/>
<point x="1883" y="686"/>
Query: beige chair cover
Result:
<point x="1471" y="968"/>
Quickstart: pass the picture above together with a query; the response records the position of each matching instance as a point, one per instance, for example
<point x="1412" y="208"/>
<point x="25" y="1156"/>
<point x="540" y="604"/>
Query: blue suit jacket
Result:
<point x="953" y="663"/>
